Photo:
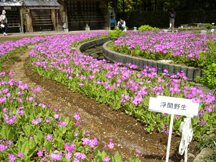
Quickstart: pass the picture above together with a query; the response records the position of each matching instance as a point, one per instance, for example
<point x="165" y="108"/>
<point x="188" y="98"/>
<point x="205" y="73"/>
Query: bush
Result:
<point x="209" y="78"/>
<point x="116" y="33"/>
<point x="208" y="25"/>
<point x="147" y="27"/>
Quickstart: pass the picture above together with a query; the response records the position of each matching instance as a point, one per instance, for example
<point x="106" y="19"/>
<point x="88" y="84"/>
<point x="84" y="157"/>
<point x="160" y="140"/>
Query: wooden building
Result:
<point x="76" y="14"/>
<point x="56" y="15"/>
<point x="40" y="15"/>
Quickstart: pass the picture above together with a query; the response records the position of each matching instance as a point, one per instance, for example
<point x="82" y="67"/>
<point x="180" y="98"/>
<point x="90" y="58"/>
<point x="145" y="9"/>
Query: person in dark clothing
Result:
<point x="172" y="17"/>
<point x="122" y="25"/>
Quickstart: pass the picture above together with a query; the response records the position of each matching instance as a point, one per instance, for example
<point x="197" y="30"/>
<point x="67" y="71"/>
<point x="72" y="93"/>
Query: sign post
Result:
<point x="176" y="106"/>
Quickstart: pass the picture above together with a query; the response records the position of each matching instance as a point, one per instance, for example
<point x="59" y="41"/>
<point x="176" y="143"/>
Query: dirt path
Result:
<point x="100" y="120"/>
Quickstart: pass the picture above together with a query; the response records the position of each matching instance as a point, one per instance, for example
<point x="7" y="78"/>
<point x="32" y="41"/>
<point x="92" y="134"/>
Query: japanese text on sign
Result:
<point x="172" y="105"/>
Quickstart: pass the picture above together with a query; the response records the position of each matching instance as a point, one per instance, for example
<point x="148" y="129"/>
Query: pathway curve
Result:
<point x="100" y="120"/>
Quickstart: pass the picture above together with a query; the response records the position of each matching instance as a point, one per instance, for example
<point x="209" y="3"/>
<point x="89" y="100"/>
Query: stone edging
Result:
<point x="190" y="72"/>
<point x="84" y="46"/>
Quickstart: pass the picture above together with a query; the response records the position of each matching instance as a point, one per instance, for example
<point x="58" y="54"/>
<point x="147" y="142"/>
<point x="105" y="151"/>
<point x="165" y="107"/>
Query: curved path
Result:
<point x="100" y="120"/>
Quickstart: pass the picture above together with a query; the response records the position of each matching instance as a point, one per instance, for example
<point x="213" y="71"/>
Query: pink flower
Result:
<point x="11" y="157"/>
<point x="68" y="155"/>
<point x="49" y="137"/>
<point x="20" y="155"/>
<point x="77" y="116"/>
<point x="85" y="141"/>
<point x="56" y="155"/>
<point x="106" y="159"/>
<point x="40" y="153"/>
<point x="35" y="121"/>
<point x="56" y="116"/>
<point x="111" y="145"/>
<point x="44" y="149"/>
<point x="76" y="135"/>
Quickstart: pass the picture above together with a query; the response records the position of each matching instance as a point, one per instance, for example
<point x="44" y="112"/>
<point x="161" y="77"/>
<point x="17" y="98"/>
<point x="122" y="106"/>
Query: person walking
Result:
<point x="121" y="25"/>
<point x="3" y="20"/>
<point x="172" y="19"/>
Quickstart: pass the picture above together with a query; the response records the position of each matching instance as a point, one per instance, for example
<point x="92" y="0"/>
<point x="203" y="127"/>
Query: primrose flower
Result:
<point x="69" y="148"/>
<point x="44" y="149"/>
<point x="76" y="135"/>
<point x="77" y="116"/>
<point x="40" y="153"/>
<point x="10" y="143"/>
<point x="68" y="155"/>
<point x="202" y="123"/>
<point x="35" y="122"/>
<point x="49" y="137"/>
<point x="56" y="116"/>
<point x="111" y="145"/>
<point x="81" y="84"/>
<point x="85" y="141"/>
<point x="56" y="155"/>
<point x="3" y="147"/>
<point x="80" y="155"/>
<point x="106" y="159"/>
<point x="38" y="89"/>
<point x="11" y="157"/>
<point x="20" y="155"/>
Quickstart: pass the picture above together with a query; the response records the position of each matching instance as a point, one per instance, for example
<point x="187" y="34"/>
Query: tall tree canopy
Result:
<point x="162" y="5"/>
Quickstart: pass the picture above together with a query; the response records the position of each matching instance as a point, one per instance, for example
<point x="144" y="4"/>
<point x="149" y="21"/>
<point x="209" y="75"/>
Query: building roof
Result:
<point x="19" y="3"/>
<point x="40" y="3"/>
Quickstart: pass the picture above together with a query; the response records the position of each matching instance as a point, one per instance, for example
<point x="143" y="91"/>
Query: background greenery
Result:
<point x="161" y="18"/>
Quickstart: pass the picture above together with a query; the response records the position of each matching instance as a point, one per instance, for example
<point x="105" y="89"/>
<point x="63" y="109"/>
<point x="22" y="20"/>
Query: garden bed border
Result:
<point x="86" y="45"/>
<point x="190" y="72"/>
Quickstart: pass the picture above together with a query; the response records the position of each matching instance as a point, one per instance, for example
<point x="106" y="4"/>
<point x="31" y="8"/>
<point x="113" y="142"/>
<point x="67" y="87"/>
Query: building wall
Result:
<point x="79" y="13"/>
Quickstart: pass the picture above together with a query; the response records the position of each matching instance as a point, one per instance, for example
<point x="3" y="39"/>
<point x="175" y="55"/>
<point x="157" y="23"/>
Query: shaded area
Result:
<point x="96" y="52"/>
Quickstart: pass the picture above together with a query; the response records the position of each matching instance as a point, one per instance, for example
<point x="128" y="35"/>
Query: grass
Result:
<point x="207" y="142"/>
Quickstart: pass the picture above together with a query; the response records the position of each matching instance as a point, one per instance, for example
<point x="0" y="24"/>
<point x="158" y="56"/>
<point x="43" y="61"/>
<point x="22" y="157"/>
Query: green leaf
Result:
<point x="118" y="157"/>
<point x="134" y="159"/>
<point x="25" y="148"/>
<point x="206" y="115"/>
<point x="98" y="159"/>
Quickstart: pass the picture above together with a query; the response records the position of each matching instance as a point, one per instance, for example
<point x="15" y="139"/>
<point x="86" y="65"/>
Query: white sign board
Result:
<point x="177" y="106"/>
<point x="172" y="105"/>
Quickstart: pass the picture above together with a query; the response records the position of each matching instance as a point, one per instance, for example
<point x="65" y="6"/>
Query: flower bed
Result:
<point x="122" y="86"/>
<point x="31" y="132"/>
<point x="189" y="48"/>
<point x="107" y="83"/>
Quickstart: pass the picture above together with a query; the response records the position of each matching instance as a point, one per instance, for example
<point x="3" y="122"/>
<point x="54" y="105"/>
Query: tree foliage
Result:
<point x="161" y="5"/>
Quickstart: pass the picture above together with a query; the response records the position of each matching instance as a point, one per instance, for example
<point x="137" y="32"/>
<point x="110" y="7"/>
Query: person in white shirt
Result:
<point x="3" y="20"/>
<point x="121" y="25"/>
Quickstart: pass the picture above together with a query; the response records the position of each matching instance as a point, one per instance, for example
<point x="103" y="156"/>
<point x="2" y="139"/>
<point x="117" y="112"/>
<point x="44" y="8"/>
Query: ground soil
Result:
<point x="101" y="121"/>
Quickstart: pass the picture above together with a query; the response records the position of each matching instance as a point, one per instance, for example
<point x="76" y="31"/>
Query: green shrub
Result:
<point x="209" y="78"/>
<point x="208" y="25"/>
<point x="147" y="27"/>
<point x="116" y="33"/>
